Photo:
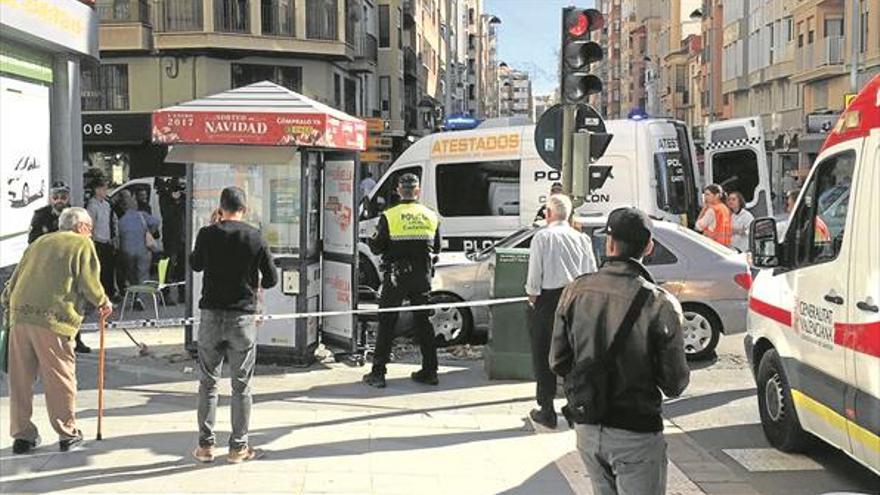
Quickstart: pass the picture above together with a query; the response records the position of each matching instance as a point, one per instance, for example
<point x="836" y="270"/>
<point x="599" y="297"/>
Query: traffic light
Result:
<point x="578" y="52"/>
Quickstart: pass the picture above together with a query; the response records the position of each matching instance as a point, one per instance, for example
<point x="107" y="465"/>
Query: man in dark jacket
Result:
<point x="171" y="204"/>
<point x="45" y="219"/>
<point x="624" y="451"/>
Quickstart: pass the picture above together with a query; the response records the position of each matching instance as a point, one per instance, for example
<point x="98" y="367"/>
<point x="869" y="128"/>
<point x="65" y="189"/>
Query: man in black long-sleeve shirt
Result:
<point x="233" y="256"/>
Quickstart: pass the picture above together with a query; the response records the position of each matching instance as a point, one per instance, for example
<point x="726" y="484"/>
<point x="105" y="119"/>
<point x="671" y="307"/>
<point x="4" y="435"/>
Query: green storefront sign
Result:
<point x="26" y="63"/>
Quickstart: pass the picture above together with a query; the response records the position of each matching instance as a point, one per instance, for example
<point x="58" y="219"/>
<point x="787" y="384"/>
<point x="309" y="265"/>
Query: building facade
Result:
<point x="515" y="93"/>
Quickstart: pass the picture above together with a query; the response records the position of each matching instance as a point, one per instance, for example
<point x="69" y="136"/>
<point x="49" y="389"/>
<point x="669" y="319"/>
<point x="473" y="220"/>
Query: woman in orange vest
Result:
<point x="715" y="219"/>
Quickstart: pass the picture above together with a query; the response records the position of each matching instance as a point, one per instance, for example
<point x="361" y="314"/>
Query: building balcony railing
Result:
<point x="833" y="51"/>
<point x="410" y="62"/>
<point x="367" y="48"/>
<point x="123" y="11"/>
<point x="178" y="15"/>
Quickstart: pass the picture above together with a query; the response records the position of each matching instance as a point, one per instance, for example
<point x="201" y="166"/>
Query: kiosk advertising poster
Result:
<point x="339" y="274"/>
<point x="24" y="162"/>
<point x="339" y="208"/>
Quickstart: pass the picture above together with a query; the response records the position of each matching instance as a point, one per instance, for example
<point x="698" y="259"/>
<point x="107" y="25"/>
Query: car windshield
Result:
<point x="705" y="241"/>
<point x="509" y="241"/>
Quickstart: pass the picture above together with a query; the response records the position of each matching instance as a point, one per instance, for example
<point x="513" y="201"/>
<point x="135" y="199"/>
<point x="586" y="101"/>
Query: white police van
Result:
<point x="736" y="159"/>
<point x="814" y="308"/>
<point x="487" y="182"/>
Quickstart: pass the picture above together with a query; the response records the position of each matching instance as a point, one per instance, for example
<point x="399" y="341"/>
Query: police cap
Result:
<point x="408" y="181"/>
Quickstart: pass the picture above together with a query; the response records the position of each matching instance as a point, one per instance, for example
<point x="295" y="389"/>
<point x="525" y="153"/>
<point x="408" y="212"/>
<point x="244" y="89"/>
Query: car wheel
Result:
<point x="367" y="275"/>
<point x="778" y="416"/>
<point x="701" y="332"/>
<point x="452" y="326"/>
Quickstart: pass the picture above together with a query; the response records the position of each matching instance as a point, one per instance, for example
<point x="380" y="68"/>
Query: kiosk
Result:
<point x="297" y="161"/>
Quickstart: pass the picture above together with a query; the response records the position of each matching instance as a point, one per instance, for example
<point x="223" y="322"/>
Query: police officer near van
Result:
<point x="408" y="238"/>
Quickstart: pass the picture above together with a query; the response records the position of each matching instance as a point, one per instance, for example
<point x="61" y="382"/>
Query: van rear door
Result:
<point x="674" y="186"/>
<point x="736" y="159"/>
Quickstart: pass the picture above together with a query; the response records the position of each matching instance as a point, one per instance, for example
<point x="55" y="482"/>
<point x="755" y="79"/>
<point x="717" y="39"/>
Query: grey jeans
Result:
<point x="226" y="335"/>
<point x="623" y="462"/>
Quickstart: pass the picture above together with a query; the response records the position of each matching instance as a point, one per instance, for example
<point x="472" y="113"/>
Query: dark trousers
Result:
<point x="413" y="286"/>
<point x="541" y="330"/>
<point x="107" y="258"/>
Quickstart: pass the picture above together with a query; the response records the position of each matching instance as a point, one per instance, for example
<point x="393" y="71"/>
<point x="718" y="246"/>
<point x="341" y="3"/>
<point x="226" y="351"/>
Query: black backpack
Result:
<point x="587" y="385"/>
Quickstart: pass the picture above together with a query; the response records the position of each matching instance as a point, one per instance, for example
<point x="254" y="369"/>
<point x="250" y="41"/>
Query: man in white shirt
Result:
<point x="367" y="184"/>
<point x="558" y="254"/>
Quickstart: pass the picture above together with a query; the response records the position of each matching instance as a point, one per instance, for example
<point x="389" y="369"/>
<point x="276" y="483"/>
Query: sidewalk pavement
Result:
<point x="321" y="429"/>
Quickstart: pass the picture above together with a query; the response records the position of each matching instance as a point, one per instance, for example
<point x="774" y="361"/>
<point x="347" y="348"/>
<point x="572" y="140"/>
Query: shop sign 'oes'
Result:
<point x="105" y="129"/>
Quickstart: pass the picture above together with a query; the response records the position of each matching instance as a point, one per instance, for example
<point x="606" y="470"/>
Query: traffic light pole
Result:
<point x="567" y="142"/>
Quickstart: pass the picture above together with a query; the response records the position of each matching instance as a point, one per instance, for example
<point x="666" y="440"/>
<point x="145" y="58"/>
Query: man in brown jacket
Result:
<point x="624" y="451"/>
<point x="56" y="272"/>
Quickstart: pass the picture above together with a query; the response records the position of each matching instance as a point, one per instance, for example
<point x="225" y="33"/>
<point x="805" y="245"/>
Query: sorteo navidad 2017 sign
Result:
<point x="269" y="129"/>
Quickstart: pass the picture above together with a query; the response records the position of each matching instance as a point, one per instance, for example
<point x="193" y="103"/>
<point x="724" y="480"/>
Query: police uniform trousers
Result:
<point x="541" y="333"/>
<point x="402" y="282"/>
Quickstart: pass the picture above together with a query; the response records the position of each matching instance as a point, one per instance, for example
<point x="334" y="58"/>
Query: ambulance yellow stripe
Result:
<point x="858" y="433"/>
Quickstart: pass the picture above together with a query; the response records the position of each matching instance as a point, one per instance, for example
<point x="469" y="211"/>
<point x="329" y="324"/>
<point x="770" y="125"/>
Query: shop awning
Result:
<point x="264" y="114"/>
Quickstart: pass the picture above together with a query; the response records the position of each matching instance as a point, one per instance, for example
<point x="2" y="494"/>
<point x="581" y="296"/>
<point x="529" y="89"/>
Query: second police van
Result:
<point x="487" y="182"/>
<point x="814" y="309"/>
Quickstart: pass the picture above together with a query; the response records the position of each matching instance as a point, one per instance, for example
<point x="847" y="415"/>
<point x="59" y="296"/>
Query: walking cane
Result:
<point x="102" y="324"/>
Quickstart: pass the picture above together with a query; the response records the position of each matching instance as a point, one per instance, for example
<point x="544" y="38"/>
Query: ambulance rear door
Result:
<point x="736" y="159"/>
<point x="860" y="335"/>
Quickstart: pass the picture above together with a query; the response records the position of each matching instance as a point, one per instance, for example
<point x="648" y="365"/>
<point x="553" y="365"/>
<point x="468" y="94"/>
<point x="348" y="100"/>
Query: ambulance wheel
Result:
<point x="778" y="416"/>
<point x="452" y="326"/>
<point x="701" y="332"/>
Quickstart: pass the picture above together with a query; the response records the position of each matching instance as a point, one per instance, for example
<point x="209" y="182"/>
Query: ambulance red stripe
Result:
<point x="860" y="337"/>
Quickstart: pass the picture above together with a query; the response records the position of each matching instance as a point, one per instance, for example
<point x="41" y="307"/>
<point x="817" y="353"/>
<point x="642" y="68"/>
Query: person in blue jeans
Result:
<point x="233" y="257"/>
<point x="136" y="258"/>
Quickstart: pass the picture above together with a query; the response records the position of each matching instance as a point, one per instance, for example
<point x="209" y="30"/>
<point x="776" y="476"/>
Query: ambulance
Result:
<point x="814" y="308"/>
<point x="488" y="182"/>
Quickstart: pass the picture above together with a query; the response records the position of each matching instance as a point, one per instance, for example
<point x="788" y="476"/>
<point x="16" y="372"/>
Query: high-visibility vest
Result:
<point x="723" y="231"/>
<point x="411" y="222"/>
<point x="822" y="233"/>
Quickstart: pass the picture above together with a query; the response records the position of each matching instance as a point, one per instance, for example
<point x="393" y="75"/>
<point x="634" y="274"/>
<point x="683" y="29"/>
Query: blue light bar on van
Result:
<point x="460" y="122"/>
<point x="637" y="114"/>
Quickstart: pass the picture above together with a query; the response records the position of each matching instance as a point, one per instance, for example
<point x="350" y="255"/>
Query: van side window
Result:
<point x="819" y="222"/>
<point x="478" y="189"/>
<point x="387" y="196"/>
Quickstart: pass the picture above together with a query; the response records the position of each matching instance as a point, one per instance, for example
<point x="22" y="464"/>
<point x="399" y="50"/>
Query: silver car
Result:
<point x="710" y="280"/>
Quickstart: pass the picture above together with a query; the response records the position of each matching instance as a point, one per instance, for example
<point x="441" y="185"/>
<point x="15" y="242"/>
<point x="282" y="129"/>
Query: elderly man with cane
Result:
<point x="42" y="299"/>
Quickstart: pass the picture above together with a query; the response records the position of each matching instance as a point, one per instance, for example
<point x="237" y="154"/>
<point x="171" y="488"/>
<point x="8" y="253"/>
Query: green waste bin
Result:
<point x="508" y="351"/>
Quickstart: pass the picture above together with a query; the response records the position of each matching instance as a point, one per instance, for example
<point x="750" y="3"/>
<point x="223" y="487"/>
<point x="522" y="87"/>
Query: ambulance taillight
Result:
<point x="857" y="120"/>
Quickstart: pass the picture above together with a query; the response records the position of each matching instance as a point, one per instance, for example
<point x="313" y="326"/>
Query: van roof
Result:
<point x="512" y="140"/>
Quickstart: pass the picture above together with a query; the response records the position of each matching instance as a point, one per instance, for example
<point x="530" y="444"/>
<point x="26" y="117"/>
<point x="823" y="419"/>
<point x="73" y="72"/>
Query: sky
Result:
<point x="528" y="37"/>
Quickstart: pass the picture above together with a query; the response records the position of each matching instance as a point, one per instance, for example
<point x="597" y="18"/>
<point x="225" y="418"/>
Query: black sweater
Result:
<point x="232" y="255"/>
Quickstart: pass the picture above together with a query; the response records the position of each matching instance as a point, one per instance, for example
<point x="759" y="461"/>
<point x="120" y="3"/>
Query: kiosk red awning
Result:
<point x="263" y="113"/>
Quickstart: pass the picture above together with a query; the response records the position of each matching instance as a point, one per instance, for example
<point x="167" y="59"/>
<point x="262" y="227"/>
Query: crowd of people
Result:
<point x="610" y="331"/>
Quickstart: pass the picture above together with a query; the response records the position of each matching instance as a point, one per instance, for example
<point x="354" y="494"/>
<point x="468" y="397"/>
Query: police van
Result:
<point x="487" y="182"/>
<point x="814" y="309"/>
<point x="736" y="159"/>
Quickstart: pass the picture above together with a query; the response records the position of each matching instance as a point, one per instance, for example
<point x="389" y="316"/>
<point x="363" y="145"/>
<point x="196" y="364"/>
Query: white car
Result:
<point x="26" y="182"/>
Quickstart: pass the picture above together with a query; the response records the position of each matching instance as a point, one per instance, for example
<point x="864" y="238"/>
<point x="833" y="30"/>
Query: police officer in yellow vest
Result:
<point x="407" y="237"/>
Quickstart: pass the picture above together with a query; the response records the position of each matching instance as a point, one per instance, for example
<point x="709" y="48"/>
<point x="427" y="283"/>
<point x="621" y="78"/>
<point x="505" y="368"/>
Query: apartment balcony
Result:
<point x="410" y="63"/>
<point x="366" y="53"/>
<point x="125" y="24"/>
<point x="819" y="60"/>
<point x="409" y="13"/>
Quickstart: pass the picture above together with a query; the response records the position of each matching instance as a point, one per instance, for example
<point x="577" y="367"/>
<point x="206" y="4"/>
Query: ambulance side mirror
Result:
<point x="764" y="243"/>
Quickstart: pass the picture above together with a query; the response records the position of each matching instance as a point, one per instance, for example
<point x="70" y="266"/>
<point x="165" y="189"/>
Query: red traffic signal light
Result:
<point x="579" y="22"/>
<point x="578" y="52"/>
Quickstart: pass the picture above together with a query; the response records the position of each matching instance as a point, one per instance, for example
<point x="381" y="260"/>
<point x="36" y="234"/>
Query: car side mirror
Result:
<point x="764" y="243"/>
